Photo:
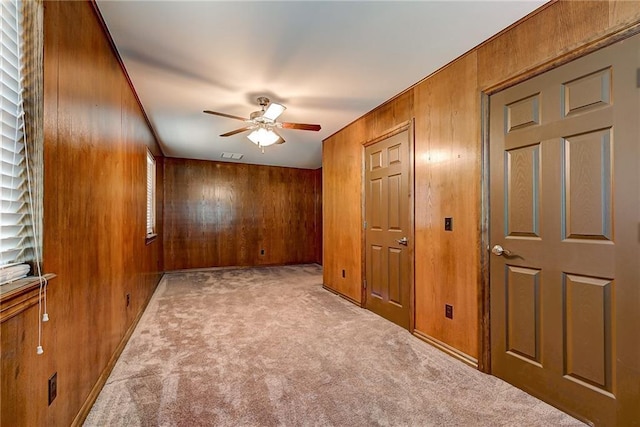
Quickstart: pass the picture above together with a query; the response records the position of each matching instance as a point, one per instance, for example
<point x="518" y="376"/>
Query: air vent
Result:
<point x="233" y="156"/>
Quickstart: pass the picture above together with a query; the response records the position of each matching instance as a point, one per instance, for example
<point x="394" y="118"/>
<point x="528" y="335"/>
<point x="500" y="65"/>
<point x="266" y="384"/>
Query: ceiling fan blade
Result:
<point x="273" y="111"/>
<point x="300" y="126"/>
<point x="280" y="139"/>
<point x="233" y="132"/>
<point x="215" y="113"/>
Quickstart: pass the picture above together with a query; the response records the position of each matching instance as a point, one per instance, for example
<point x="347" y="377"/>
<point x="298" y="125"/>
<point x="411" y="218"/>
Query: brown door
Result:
<point x="565" y="204"/>
<point x="387" y="236"/>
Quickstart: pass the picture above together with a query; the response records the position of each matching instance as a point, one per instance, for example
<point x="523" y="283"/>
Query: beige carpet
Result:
<point x="269" y="346"/>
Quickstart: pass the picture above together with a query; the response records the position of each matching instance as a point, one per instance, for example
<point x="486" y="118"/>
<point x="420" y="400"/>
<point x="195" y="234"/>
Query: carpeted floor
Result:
<point x="269" y="346"/>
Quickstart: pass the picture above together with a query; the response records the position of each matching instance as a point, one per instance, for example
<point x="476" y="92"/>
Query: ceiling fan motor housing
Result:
<point x="257" y="115"/>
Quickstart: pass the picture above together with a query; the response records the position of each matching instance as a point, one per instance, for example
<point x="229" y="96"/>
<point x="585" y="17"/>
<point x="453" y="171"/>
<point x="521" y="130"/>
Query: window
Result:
<point x="151" y="195"/>
<point x="16" y="242"/>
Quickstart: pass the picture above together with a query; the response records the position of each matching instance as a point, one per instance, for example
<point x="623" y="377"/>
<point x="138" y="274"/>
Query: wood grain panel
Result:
<point x="96" y="138"/>
<point x="342" y="212"/>
<point x="22" y="368"/>
<point x="447" y="184"/>
<point x="542" y="37"/>
<point x="226" y="214"/>
<point x="387" y="116"/>
<point x="623" y="13"/>
<point x="318" y="215"/>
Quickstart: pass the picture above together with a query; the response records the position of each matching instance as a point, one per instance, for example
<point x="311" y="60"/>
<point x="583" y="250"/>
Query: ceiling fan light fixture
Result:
<point x="273" y="111"/>
<point x="262" y="124"/>
<point x="263" y="137"/>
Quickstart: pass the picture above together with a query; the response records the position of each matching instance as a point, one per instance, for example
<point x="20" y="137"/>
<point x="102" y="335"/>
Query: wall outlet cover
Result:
<point x="448" y="311"/>
<point x="53" y="387"/>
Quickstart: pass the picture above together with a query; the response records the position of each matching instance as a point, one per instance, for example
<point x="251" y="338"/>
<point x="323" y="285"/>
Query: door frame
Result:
<point x="409" y="127"/>
<point x="484" y="297"/>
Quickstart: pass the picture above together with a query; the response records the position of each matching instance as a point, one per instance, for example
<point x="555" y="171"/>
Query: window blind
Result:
<point x="151" y="194"/>
<point x="15" y="241"/>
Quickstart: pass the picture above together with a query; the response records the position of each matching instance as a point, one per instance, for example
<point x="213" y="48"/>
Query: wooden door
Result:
<point x="387" y="222"/>
<point x="565" y="204"/>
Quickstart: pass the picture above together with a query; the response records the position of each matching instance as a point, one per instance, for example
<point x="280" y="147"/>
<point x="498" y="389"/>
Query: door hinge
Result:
<point x="364" y="283"/>
<point x="365" y="225"/>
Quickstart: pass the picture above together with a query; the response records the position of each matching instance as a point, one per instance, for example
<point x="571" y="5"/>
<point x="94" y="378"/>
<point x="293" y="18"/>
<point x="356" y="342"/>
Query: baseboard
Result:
<point x="97" y="387"/>
<point x="236" y="267"/>
<point x="333" y="291"/>
<point x="465" y="358"/>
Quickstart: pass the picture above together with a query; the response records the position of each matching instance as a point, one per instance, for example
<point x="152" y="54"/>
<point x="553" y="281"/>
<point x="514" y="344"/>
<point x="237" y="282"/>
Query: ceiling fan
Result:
<point x="263" y="123"/>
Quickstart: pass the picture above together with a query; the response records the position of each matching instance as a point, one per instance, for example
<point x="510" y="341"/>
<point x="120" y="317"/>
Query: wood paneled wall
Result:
<point x="223" y="214"/>
<point x="447" y="184"/>
<point x="96" y="138"/>
<point x="446" y="110"/>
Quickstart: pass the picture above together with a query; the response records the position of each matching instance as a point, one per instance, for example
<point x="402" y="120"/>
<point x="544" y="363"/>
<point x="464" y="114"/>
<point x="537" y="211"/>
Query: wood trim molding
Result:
<point x="363" y="217"/>
<point x="484" y="303"/>
<point x="105" y="30"/>
<point x="401" y="127"/>
<point x="607" y="40"/>
<point x="25" y="294"/>
<point x="412" y="223"/>
<point x="447" y="349"/>
<point x="333" y="291"/>
<point x="104" y="376"/>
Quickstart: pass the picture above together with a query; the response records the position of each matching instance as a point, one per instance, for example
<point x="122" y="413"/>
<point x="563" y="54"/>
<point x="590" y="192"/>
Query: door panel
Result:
<point x="523" y="312"/>
<point x="387" y="215"/>
<point x="588" y="329"/>
<point x="586" y="186"/>
<point x="523" y="191"/>
<point x="565" y="204"/>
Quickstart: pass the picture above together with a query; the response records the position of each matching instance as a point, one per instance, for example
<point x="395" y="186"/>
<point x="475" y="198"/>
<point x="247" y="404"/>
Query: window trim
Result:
<point x="18" y="245"/>
<point x="151" y="190"/>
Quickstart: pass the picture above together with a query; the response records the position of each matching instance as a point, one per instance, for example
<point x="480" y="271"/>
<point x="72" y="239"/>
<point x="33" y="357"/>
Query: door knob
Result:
<point x="403" y="241"/>
<point x="499" y="250"/>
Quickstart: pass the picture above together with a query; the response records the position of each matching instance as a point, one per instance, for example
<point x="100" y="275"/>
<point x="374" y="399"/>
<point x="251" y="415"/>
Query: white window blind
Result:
<point x="151" y="194"/>
<point x="15" y="239"/>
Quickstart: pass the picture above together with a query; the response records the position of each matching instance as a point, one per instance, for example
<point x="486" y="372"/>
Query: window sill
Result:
<point x="150" y="238"/>
<point x="17" y="296"/>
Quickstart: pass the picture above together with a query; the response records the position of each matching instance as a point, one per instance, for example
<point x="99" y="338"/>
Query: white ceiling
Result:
<point x="329" y="62"/>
